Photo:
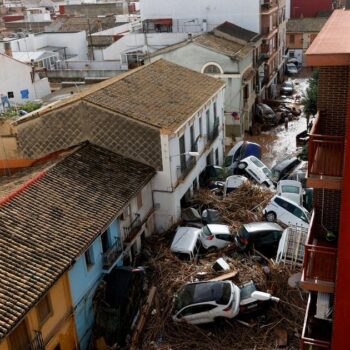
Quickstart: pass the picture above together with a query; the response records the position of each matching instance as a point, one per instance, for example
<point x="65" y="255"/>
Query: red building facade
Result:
<point x="309" y="8"/>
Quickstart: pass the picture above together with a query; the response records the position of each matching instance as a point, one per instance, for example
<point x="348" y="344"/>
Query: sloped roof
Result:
<point x="238" y="32"/>
<point x="53" y="218"/>
<point x="222" y="45"/>
<point x="304" y="25"/>
<point x="162" y="94"/>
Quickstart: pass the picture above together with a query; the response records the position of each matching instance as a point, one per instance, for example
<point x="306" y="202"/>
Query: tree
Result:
<point x="310" y="97"/>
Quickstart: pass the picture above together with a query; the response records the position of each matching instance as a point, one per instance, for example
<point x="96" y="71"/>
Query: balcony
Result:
<point x="268" y="6"/>
<point x="37" y="342"/>
<point x="326" y="152"/>
<point x="316" y="333"/>
<point x="131" y="231"/>
<point x="212" y="135"/>
<point x="319" y="260"/>
<point x="112" y="254"/>
<point x="185" y="168"/>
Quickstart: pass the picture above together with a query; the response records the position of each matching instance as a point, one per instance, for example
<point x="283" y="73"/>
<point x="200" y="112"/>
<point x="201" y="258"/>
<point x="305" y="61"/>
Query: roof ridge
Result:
<point x="22" y="188"/>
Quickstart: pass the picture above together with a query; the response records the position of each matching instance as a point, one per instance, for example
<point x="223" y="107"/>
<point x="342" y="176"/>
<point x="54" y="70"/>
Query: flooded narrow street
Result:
<point x="279" y="143"/>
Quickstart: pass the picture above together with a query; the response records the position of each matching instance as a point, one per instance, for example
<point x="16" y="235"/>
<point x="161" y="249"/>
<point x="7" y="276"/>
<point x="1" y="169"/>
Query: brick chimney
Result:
<point x="8" y="50"/>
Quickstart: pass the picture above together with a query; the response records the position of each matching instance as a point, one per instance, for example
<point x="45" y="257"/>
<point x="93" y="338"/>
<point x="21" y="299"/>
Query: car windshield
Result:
<point x="275" y="174"/>
<point x="288" y="84"/>
<point x="290" y="189"/>
<point x="206" y="231"/>
<point x="203" y="292"/>
<point x="228" y="161"/>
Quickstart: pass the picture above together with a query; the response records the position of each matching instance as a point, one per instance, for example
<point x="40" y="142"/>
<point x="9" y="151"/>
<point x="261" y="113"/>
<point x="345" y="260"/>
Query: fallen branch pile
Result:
<point x="169" y="274"/>
<point x="244" y="205"/>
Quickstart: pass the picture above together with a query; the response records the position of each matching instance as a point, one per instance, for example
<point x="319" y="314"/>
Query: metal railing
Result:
<point x="213" y="134"/>
<point x="308" y="340"/>
<point x="131" y="231"/>
<point x="325" y="153"/>
<point x="37" y="342"/>
<point x="320" y="257"/>
<point x="113" y="252"/>
<point x="185" y="168"/>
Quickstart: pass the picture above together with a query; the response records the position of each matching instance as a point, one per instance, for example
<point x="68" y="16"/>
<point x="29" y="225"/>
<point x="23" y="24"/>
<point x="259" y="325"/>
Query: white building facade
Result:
<point x="21" y="81"/>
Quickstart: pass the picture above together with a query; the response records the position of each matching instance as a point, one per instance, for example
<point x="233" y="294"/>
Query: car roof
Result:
<point x="289" y="183"/>
<point x="203" y="292"/>
<point x="185" y="239"/>
<point x="285" y="162"/>
<point x="262" y="226"/>
<point x="217" y="228"/>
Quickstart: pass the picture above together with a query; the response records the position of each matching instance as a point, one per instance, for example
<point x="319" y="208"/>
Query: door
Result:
<point x="198" y="314"/>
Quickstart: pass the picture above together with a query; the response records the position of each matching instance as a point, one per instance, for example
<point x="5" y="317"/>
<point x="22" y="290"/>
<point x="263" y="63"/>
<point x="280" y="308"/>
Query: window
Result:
<point x="217" y="156"/>
<point x="105" y="241"/>
<point x="291" y="54"/>
<point x="215" y="111"/>
<point x="212" y="69"/>
<point x="195" y="185"/>
<point x="89" y="258"/>
<point x="207" y="116"/>
<point x="19" y="338"/>
<point x="196" y="309"/>
<point x="44" y="309"/>
<point x="200" y="126"/>
<point x="292" y="38"/>
<point x="139" y="200"/>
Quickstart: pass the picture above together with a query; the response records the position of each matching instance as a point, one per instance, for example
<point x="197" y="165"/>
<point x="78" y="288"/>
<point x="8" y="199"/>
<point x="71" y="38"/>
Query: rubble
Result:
<point x="169" y="274"/>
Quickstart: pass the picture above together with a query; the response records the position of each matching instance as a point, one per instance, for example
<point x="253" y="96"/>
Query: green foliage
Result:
<point x="28" y="107"/>
<point x="310" y="98"/>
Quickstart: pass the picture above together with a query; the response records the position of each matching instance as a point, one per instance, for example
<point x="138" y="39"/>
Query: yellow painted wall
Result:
<point x="60" y="326"/>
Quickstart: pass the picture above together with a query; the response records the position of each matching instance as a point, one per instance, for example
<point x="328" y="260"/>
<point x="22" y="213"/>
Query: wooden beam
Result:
<point x="226" y="276"/>
<point x="142" y="319"/>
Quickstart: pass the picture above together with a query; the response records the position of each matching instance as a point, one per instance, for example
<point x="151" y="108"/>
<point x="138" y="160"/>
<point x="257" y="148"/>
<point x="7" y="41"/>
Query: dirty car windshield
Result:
<point x="203" y="292"/>
<point x="206" y="231"/>
<point x="290" y="189"/>
<point x="257" y="162"/>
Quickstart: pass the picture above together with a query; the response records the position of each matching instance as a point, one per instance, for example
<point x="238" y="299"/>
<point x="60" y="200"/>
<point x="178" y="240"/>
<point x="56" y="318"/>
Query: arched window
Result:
<point x="212" y="68"/>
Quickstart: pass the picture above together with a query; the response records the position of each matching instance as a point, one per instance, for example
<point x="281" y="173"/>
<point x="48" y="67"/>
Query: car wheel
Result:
<point x="212" y="249"/>
<point x="242" y="165"/>
<point x="270" y="216"/>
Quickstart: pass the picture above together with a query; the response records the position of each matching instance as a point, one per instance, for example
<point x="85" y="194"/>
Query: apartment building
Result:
<point x="267" y="17"/>
<point x="326" y="272"/>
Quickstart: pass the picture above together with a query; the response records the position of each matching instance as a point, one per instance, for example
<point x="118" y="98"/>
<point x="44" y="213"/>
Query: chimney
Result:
<point x="8" y="50"/>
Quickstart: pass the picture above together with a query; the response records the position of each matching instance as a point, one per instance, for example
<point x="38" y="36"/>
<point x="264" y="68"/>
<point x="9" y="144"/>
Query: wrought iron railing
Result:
<point x="185" y="168"/>
<point x="131" y="231"/>
<point x="113" y="252"/>
<point x="37" y="342"/>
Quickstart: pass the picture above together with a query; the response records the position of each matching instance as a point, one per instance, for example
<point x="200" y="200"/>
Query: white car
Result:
<point x="291" y="189"/>
<point x="257" y="170"/>
<point x="215" y="236"/>
<point x="203" y="302"/>
<point x="233" y="182"/>
<point x="287" y="212"/>
<point x="186" y="243"/>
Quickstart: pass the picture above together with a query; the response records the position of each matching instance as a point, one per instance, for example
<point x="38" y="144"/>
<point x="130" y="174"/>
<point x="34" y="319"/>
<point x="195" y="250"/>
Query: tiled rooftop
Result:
<point x="162" y="94"/>
<point x="238" y="32"/>
<point x="307" y="25"/>
<point x="53" y="218"/>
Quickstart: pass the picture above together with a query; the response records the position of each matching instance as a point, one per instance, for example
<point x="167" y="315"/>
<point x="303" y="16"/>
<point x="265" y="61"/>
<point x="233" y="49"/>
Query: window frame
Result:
<point x="89" y="258"/>
<point x="49" y="314"/>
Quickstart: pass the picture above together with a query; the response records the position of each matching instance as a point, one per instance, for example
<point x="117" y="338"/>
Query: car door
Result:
<point x="284" y="211"/>
<point x="198" y="314"/>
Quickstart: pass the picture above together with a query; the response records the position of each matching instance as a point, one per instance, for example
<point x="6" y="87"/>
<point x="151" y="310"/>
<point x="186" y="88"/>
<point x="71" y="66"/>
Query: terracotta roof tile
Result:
<point x="53" y="220"/>
<point x="162" y="94"/>
<point x="307" y="25"/>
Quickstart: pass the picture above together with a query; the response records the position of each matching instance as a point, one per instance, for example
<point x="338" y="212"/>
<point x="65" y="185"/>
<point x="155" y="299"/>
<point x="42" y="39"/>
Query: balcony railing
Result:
<point x="212" y="134"/>
<point x="316" y="333"/>
<point x="37" y="342"/>
<point x="319" y="260"/>
<point x="131" y="231"/>
<point x="325" y="153"/>
<point x="185" y="168"/>
<point x="112" y="254"/>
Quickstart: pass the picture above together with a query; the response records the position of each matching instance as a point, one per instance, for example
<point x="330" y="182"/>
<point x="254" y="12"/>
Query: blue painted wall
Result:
<point x="83" y="283"/>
